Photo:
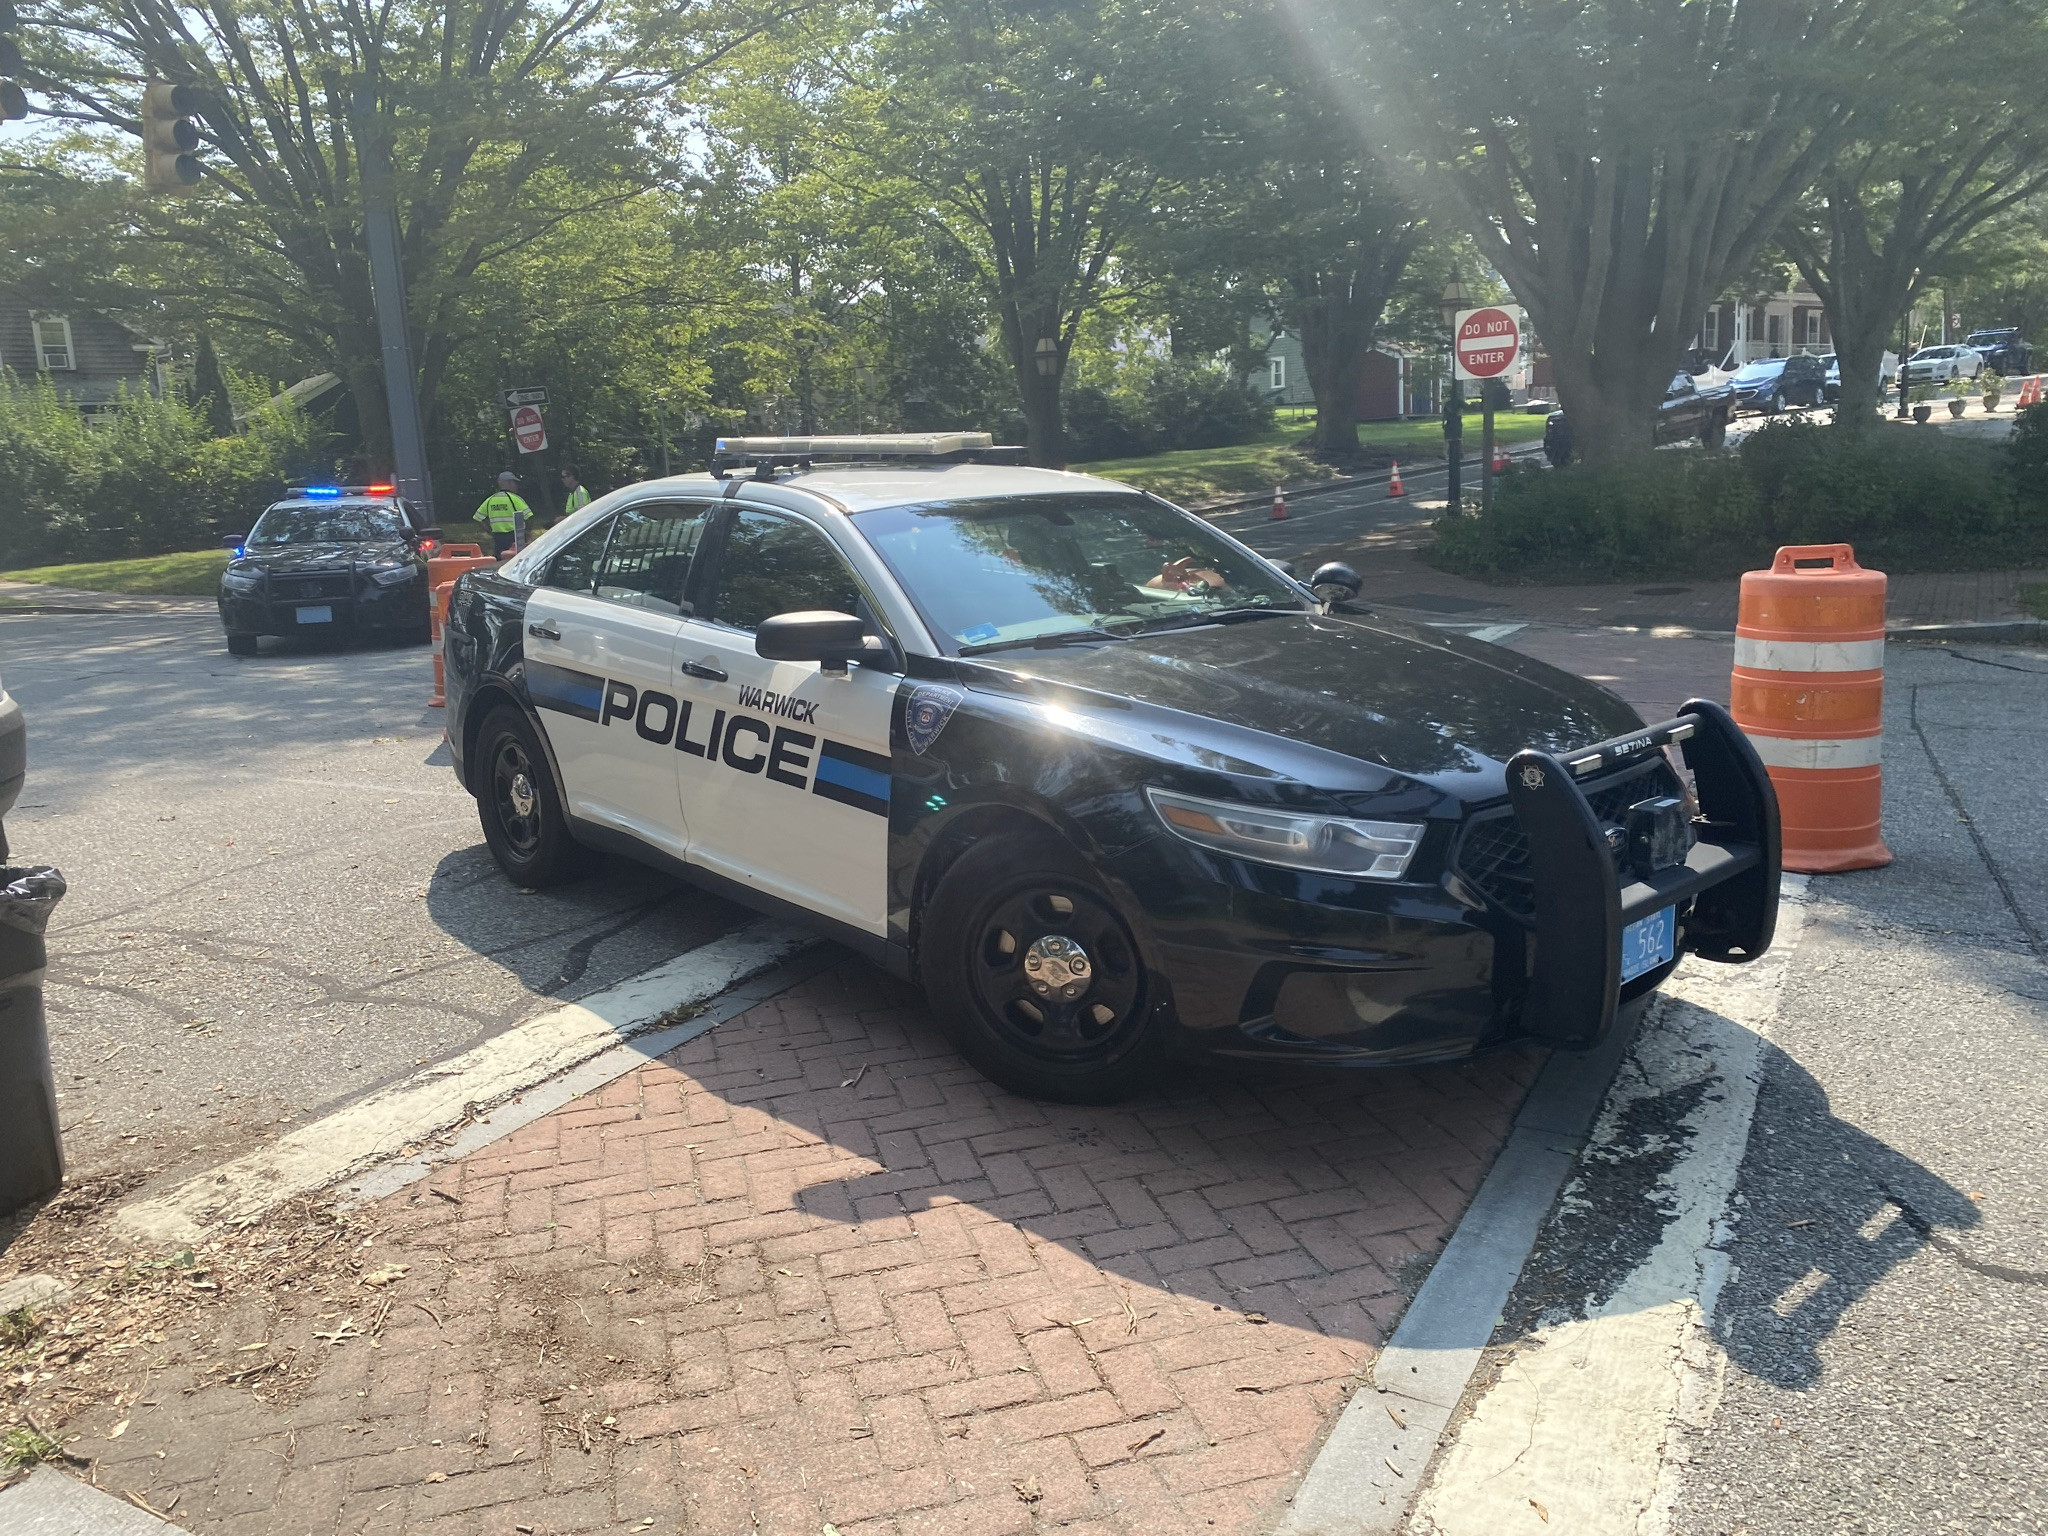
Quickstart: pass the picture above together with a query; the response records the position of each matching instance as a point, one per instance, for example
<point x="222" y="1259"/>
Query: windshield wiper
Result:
<point x="1215" y="616"/>
<point x="1058" y="637"/>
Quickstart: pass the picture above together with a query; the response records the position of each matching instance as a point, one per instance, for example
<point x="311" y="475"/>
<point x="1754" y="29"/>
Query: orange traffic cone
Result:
<point x="1500" y="459"/>
<point x="1279" y="503"/>
<point x="1394" y="486"/>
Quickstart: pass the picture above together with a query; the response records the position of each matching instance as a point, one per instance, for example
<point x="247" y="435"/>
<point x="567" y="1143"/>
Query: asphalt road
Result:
<point x="1887" y="1321"/>
<point x="279" y="895"/>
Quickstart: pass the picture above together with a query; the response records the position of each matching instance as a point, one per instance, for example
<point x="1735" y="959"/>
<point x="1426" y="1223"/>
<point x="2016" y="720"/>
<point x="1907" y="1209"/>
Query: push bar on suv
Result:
<point x="1592" y="881"/>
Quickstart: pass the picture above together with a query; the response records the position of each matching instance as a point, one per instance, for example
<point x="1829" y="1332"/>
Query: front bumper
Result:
<point x="1265" y="963"/>
<point x="364" y="608"/>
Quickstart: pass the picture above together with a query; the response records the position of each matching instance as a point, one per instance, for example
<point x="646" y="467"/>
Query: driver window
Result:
<point x="774" y="565"/>
<point x="648" y="559"/>
<point x="574" y="566"/>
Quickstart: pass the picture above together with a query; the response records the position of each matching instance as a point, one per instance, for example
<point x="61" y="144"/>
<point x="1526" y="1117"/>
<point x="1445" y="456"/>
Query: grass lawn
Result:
<point x="196" y="573"/>
<point x="2034" y="598"/>
<point x="1244" y="469"/>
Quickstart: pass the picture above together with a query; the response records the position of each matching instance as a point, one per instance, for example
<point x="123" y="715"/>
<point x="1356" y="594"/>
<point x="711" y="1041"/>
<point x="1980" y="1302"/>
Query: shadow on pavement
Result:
<point x="1826" y="1226"/>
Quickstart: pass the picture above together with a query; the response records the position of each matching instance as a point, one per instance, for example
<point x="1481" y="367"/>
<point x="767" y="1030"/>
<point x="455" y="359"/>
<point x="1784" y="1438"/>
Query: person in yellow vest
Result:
<point x="575" y="496"/>
<point x="504" y="514"/>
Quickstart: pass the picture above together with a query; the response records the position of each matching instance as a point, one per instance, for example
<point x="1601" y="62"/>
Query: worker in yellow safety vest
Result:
<point x="504" y="514"/>
<point x="575" y="497"/>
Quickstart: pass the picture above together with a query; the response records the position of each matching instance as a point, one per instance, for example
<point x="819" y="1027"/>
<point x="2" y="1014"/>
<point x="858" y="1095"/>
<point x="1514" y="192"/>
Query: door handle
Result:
<point x="709" y="673"/>
<point x="545" y="631"/>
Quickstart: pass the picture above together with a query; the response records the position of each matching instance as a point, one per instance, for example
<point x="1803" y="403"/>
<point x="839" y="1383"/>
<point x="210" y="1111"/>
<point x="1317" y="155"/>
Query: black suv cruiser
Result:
<point x="329" y="560"/>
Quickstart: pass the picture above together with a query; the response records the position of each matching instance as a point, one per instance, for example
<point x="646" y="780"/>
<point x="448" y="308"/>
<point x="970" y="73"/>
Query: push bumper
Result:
<point x="1724" y="890"/>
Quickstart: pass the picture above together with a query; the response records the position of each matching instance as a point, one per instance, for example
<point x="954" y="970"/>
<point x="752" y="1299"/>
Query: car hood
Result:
<point x="327" y="557"/>
<point x="1419" y="702"/>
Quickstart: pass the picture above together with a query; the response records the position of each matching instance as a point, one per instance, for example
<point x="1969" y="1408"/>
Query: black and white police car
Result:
<point x="1103" y="780"/>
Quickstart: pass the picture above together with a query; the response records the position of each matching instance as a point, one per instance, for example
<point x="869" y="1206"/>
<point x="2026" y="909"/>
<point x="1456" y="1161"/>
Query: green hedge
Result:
<point x="1909" y="499"/>
<point x="146" y="477"/>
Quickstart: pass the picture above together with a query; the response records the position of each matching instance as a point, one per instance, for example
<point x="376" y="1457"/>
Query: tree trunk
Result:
<point x="1612" y="410"/>
<point x="1045" y="429"/>
<point x="1333" y="353"/>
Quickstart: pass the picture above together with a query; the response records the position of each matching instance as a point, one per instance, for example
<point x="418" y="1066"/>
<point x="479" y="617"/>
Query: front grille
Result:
<point x="1493" y="852"/>
<point x="299" y="589"/>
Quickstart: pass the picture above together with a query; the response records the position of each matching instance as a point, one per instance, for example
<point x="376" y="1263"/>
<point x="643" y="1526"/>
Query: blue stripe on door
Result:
<point x="852" y="777"/>
<point x="565" y="691"/>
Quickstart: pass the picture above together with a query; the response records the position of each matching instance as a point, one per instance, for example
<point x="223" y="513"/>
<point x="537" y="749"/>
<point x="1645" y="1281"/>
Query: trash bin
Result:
<point x="31" y="1156"/>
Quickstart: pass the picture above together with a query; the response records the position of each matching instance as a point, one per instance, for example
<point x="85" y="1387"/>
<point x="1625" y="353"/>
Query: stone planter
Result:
<point x="1923" y="414"/>
<point x="1955" y="406"/>
<point x="1991" y="402"/>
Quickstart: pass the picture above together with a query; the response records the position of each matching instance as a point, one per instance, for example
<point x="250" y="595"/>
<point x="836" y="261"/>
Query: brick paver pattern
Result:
<point x="812" y="1268"/>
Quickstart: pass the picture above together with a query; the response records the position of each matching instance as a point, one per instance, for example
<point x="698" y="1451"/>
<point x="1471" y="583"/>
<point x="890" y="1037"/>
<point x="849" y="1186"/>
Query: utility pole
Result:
<point x="387" y="285"/>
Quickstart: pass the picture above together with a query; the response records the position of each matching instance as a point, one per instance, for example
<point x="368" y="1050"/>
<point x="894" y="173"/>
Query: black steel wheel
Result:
<point x="518" y="803"/>
<point x="1034" y="970"/>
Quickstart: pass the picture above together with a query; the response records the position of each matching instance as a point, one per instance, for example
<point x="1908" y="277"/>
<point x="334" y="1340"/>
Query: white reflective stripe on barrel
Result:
<point x="1809" y="655"/>
<point x="1802" y="752"/>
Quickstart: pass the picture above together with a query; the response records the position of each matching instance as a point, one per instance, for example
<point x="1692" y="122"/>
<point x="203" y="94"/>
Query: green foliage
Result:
<point x="144" y="478"/>
<point x="2027" y="454"/>
<point x="1909" y="500"/>
<point x="1159" y="405"/>
<point x="22" y="1448"/>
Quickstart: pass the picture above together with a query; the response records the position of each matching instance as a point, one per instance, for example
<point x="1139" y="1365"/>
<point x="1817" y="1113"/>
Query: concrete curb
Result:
<point x="1980" y="631"/>
<point x="50" y="1503"/>
<point x="1362" y="1480"/>
<point x="1346" y="483"/>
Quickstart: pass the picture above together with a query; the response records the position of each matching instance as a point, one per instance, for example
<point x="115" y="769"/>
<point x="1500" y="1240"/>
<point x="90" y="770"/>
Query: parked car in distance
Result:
<point x="1831" y="386"/>
<point x="2004" y="351"/>
<point x="1937" y="365"/>
<point x="1771" y="383"/>
<point x="1691" y="408"/>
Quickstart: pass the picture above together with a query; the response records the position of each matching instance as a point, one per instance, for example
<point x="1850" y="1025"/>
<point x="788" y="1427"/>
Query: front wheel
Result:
<point x="241" y="645"/>
<point x="1036" y="975"/>
<point x="519" y="805"/>
<point x="1715" y="432"/>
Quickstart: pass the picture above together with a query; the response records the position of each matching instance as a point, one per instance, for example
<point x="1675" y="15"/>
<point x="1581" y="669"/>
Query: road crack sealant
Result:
<point x="1613" y="1355"/>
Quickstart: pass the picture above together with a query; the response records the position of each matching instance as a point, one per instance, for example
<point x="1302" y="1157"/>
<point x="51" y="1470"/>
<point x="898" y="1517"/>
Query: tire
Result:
<point x="995" y="909"/>
<point x="241" y="645"/>
<point x="519" y="804"/>
<point x="1715" y="432"/>
<point x="1774" y="405"/>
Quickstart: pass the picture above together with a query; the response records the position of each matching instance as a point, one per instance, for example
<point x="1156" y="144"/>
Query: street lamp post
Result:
<point x="1454" y="299"/>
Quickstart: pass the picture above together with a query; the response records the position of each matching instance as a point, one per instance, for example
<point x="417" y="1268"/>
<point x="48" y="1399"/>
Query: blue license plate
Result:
<point x="323" y="615"/>
<point x="1648" y="942"/>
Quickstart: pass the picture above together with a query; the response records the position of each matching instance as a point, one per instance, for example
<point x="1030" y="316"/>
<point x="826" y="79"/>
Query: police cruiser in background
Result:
<point x="1102" y="780"/>
<point x="329" y="559"/>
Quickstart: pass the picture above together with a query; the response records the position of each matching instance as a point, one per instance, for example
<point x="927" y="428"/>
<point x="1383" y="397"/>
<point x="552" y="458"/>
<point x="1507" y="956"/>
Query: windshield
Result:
<point x="1929" y="354"/>
<point x="1013" y="570"/>
<point x="1762" y="370"/>
<point x="360" y="522"/>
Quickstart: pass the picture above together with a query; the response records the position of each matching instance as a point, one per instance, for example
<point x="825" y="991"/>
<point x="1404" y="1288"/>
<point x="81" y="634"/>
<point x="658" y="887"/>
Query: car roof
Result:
<point x="860" y="488"/>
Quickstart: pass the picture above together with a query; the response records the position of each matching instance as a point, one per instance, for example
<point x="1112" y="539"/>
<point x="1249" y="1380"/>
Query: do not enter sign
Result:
<point x="1488" y="342"/>
<point x="528" y="430"/>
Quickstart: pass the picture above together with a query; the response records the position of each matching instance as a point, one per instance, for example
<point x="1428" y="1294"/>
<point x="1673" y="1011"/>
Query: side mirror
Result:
<point x="233" y="540"/>
<point x="427" y="535"/>
<point x="830" y="639"/>
<point x="1339" y="578"/>
<point x="1284" y="567"/>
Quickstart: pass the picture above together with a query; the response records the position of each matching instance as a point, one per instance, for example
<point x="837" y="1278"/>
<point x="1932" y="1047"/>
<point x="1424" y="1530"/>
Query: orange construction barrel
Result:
<point x="1808" y="691"/>
<point x="443" y="594"/>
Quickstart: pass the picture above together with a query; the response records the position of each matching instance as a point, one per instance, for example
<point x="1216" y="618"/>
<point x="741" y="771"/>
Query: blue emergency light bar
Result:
<point x="330" y="492"/>
<point x="321" y="492"/>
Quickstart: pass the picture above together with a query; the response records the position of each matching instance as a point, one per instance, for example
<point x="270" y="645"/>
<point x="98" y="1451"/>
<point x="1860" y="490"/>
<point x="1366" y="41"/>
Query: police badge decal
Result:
<point x="925" y="714"/>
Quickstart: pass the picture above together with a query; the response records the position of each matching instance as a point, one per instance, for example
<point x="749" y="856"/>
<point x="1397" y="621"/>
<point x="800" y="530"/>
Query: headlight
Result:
<point x="241" y="581"/>
<point x="1329" y="845"/>
<point x="395" y="576"/>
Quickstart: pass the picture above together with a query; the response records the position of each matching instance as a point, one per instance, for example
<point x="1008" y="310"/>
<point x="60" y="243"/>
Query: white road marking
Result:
<point x="379" y="1125"/>
<point x="1582" y="1417"/>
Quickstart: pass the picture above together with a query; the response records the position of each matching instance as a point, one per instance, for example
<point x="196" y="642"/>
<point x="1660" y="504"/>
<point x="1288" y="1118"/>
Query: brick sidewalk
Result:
<point x="813" y="1268"/>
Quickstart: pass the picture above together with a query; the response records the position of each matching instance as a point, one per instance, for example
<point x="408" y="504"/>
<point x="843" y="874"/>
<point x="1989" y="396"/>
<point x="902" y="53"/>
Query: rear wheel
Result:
<point x="1715" y="432"/>
<point x="519" y="805"/>
<point x="1037" y="976"/>
<point x="241" y="645"/>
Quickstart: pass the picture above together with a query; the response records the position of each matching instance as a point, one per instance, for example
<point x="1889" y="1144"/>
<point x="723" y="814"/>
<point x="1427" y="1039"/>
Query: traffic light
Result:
<point x="13" y="100"/>
<point x="169" y="137"/>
